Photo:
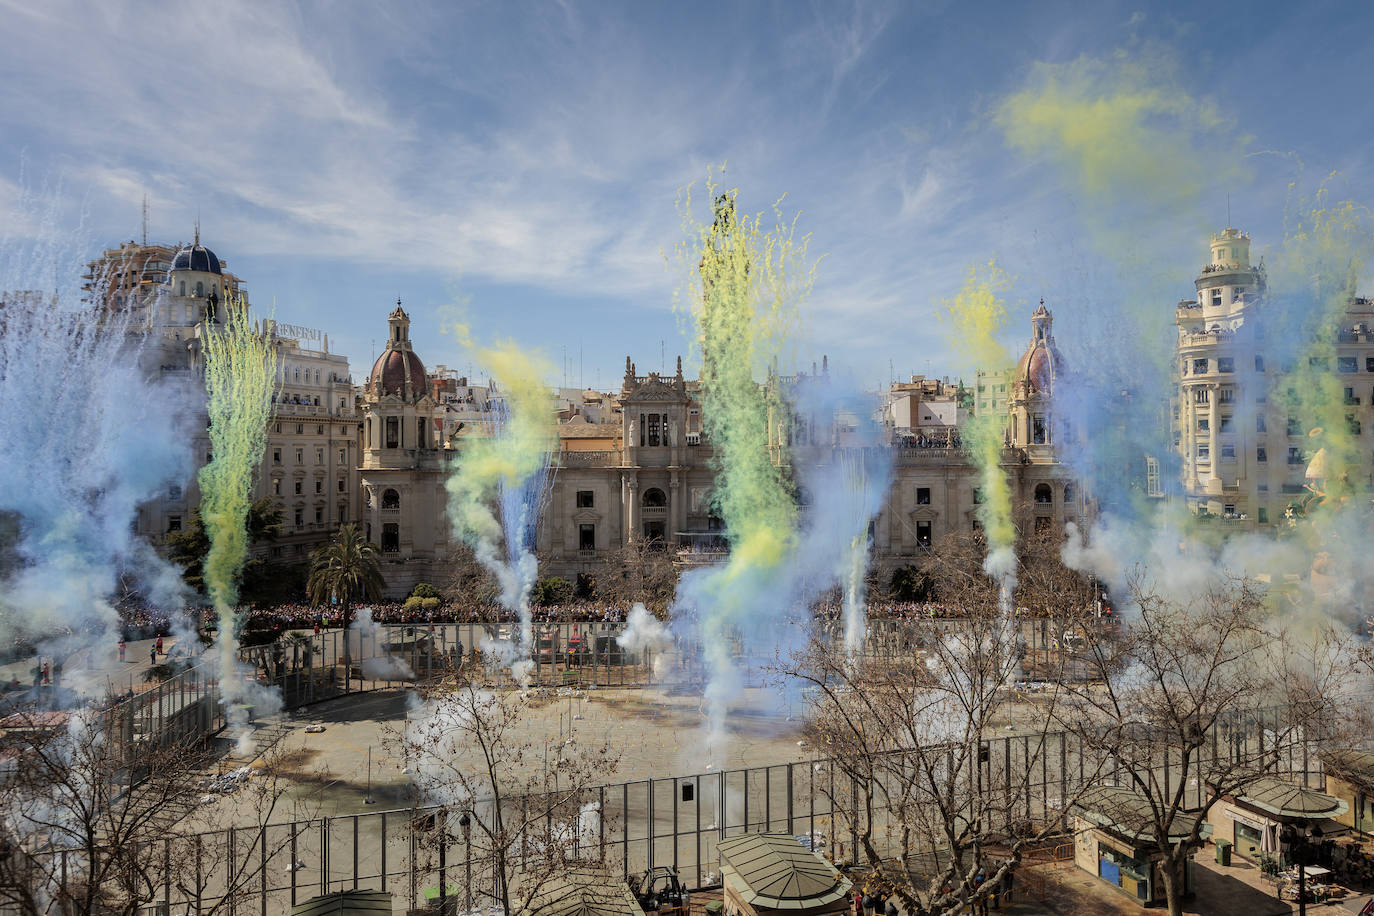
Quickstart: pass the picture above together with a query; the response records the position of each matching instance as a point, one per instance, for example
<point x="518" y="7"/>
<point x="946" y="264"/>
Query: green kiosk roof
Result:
<point x="774" y="871"/>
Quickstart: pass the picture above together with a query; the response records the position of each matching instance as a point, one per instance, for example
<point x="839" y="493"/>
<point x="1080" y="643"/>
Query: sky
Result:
<point x="524" y="161"/>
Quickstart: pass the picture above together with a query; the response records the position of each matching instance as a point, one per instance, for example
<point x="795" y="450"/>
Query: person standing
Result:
<point x="159" y="645"/>
<point x="121" y="648"/>
<point x="152" y="656"/>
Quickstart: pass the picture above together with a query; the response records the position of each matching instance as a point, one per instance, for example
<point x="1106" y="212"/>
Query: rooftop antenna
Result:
<point x="145" y="218"/>
<point x="197" y="241"/>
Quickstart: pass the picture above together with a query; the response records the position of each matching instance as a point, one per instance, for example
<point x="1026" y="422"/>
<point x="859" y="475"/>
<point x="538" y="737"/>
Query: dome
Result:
<point x="196" y="257"/>
<point x="1041" y="363"/>
<point x="393" y="369"/>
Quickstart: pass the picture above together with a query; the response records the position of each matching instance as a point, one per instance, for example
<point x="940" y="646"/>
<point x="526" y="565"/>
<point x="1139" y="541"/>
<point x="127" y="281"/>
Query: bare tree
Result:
<point x="89" y="811"/>
<point x="928" y="803"/>
<point x="640" y="571"/>
<point x="1196" y="700"/>
<point x="526" y="814"/>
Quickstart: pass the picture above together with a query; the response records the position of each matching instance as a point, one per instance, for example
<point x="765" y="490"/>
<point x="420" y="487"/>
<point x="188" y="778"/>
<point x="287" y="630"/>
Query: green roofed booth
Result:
<point x="1254" y="817"/>
<point x="767" y="873"/>
<point x="584" y="892"/>
<point x="1114" y="839"/>
<point x="346" y="903"/>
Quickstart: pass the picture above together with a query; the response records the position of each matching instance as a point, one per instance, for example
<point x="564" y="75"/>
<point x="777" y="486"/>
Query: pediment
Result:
<point x="585" y="516"/>
<point x="655" y="391"/>
<point x="924" y="514"/>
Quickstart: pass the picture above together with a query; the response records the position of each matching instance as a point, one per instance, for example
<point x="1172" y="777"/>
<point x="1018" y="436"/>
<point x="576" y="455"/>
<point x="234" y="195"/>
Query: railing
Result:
<point x="678" y="821"/>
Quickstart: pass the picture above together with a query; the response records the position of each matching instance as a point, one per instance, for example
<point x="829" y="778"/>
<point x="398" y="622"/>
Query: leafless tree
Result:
<point x="90" y="814"/>
<point x="525" y="814"/>
<point x="639" y="571"/>
<point x="1197" y="699"/>
<point x="928" y="803"/>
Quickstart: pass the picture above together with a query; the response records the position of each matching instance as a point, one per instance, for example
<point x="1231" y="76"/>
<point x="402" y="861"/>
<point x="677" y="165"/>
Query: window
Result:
<point x="1294" y="428"/>
<point x="1043" y="493"/>
<point x="1352" y="424"/>
<point x="1263" y="515"/>
<point x="1216" y="296"/>
<point x="923" y="536"/>
<point x="1225" y="425"/>
<point x="1350" y="396"/>
<point x="655" y="428"/>
<point x="1347" y="364"/>
<point x="393" y="432"/>
<point x="299" y="485"/>
<point x="1226" y="395"/>
<point x="1199" y="367"/>
<point x="654" y="498"/>
<point x="584" y="499"/>
<point x="1259" y="424"/>
<point x="182" y="290"/>
<point x="319" y="430"/>
<point x="276" y="456"/>
<point x="1203" y="424"/>
<point x="200" y="288"/>
<point x="1369" y="364"/>
<point x="1294" y="455"/>
<point x="300" y="456"/>
<point x="923" y="496"/>
<point x="174" y="492"/>
<point x="319" y="486"/>
<point x="1204" y="451"/>
<point x="173" y="523"/>
<point x="420" y="433"/>
<point x="276" y="486"/>
<point x="1228" y="452"/>
<point x="1226" y="364"/>
<point x="300" y="429"/>
<point x="319" y="516"/>
<point x="278" y="426"/>
<point x="1262" y="488"/>
<point x="343" y="513"/>
<point x="391" y="538"/>
<point x="300" y="517"/>
<point x="1318" y="362"/>
<point x="586" y="537"/>
<point x="1259" y="363"/>
<point x="341" y="484"/>
<point x="1068" y="494"/>
<point x="1229" y="509"/>
<point x="1039" y="431"/>
<point x="1261" y="454"/>
<point x="1200" y="396"/>
<point x="391" y="499"/>
<point x="977" y="496"/>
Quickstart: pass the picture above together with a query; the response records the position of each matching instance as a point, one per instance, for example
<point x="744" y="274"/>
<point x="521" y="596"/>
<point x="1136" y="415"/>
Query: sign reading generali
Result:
<point x="300" y="332"/>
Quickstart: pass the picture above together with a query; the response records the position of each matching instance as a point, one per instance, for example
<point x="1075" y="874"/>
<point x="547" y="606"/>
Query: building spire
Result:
<point x="145" y="217"/>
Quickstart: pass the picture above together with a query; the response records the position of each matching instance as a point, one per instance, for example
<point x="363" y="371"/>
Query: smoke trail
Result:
<point x="506" y="468"/>
<point x="85" y="438"/>
<point x="843" y="461"/>
<point x="976" y="316"/>
<point x="748" y="280"/>
<point x="240" y="372"/>
<point x="1142" y="151"/>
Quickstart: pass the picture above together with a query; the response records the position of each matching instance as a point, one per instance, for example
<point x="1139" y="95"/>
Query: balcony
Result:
<point x="607" y="459"/>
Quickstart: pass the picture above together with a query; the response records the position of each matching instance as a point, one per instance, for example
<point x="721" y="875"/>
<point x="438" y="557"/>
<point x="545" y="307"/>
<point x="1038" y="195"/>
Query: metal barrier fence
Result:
<point x="315" y="666"/>
<point x="674" y="821"/>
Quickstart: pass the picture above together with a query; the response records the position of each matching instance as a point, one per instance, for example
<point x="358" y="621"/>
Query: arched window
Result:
<point x="1043" y="494"/>
<point x="391" y="499"/>
<point x="654" y="498"/>
<point x="183" y="289"/>
<point x="391" y="538"/>
<point x="200" y="288"/>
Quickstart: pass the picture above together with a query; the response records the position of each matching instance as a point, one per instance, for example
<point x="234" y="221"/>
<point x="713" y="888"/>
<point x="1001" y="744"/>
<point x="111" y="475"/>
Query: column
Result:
<point x="675" y="513"/>
<point x="1214" y="475"/>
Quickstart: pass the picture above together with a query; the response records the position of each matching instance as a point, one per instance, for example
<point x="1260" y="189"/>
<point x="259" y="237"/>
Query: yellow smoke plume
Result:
<point x="240" y="376"/>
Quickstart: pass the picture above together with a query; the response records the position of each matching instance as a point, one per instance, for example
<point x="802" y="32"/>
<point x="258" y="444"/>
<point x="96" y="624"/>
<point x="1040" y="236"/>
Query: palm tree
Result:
<point x="346" y="570"/>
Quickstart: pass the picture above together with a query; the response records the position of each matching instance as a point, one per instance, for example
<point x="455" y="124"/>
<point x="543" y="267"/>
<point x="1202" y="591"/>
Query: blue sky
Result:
<point x="525" y="158"/>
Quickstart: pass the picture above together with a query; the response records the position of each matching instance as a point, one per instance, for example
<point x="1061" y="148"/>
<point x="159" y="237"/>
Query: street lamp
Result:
<point x="466" y="823"/>
<point x="1297" y="841"/>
